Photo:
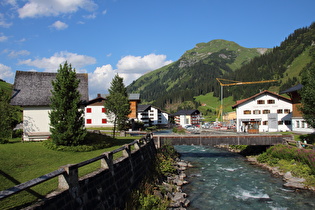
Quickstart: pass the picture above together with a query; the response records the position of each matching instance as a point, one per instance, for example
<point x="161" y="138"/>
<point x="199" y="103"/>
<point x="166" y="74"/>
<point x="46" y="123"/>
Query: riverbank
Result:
<point x="290" y="181"/>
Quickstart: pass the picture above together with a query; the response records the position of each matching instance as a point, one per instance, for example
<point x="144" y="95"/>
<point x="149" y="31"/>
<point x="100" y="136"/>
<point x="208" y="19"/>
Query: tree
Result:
<point x="66" y="117"/>
<point x="6" y="116"/>
<point x="117" y="103"/>
<point x="308" y="91"/>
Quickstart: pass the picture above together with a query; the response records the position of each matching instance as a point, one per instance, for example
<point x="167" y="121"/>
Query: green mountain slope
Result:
<point x="193" y="74"/>
<point x="190" y="82"/>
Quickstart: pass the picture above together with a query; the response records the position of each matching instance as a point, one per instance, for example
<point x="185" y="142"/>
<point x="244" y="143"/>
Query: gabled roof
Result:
<point x="265" y="92"/>
<point x="34" y="88"/>
<point x="142" y="108"/>
<point x="99" y="99"/>
<point x="292" y="89"/>
<point x="187" y="112"/>
<point x="134" y="97"/>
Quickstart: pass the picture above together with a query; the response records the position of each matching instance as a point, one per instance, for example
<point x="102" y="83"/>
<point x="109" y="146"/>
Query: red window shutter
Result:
<point x="104" y="121"/>
<point x="88" y="110"/>
<point x="103" y="110"/>
<point x="88" y="121"/>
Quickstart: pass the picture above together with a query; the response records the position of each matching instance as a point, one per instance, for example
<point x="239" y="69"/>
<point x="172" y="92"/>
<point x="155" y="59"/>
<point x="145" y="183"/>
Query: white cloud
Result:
<point x="129" y="68"/>
<point x="14" y="54"/>
<point x="3" y="38"/>
<point x="52" y="64"/>
<point x="5" y="72"/>
<point x="91" y="16"/>
<point x="3" y="22"/>
<point x="59" y="25"/>
<point x="37" y="8"/>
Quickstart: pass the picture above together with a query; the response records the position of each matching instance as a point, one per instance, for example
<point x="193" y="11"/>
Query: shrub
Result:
<point x="17" y="133"/>
<point x="179" y="129"/>
<point x="289" y="153"/>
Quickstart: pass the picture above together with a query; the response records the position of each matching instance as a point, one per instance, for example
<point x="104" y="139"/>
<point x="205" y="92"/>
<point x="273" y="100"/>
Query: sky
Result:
<point x="132" y="37"/>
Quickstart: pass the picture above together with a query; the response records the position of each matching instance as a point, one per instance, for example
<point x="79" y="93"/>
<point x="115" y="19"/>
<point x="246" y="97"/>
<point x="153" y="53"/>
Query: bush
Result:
<point x="17" y="133"/>
<point x="179" y="129"/>
<point x="91" y="142"/>
<point x="290" y="153"/>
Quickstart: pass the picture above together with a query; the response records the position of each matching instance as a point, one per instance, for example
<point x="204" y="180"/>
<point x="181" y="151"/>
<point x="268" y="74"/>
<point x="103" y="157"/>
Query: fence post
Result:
<point x="107" y="161"/>
<point x="69" y="179"/>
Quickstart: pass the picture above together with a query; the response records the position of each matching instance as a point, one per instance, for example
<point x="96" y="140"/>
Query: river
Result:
<point x="225" y="180"/>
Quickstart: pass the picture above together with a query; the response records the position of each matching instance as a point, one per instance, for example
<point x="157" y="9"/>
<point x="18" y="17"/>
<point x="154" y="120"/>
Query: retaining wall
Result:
<point x="107" y="188"/>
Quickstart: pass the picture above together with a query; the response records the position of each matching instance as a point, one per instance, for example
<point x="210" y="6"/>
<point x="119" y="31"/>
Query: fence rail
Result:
<point x="65" y="173"/>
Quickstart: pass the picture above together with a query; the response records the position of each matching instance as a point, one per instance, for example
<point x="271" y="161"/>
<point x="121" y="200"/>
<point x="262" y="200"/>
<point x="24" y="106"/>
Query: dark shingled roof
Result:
<point x="187" y="112"/>
<point x="34" y="88"/>
<point x="142" y="108"/>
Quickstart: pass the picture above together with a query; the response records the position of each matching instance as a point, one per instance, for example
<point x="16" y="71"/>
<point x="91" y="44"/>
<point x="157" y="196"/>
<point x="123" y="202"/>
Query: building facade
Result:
<point x="298" y="122"/>
<point x="264" y="112"/>
<point x="187" y="117"/>
<point x="32" y="91"/>
<point x="150" y="116"/>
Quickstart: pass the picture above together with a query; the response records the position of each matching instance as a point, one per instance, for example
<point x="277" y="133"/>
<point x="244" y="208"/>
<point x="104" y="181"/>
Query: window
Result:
<point x="88" y="110"/>
<point x="265" y="122"/>
<point x="298" y="124"/>
<point x="280" y="122"/>
<point x="261" y="102"/>
<point x="303" y="124"/>
<point x="271" y="101"/>
<point x="266" y="111"/>
<point x="256" y="112"/>
<point x="247" y="112"/>
<point x="279" y="111"/>
<point x="88" y="121"/>
<point x="104" y="121"/>
<point x="286" y="111"/>
<point x="103" y="110"/>
<point x="287" y="122"/>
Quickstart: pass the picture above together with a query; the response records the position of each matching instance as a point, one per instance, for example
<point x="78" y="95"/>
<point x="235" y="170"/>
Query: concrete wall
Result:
<point x="107" y="188"/>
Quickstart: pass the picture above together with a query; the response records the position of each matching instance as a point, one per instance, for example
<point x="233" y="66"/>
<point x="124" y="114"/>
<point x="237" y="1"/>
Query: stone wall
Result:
<point x="107" y="188"/>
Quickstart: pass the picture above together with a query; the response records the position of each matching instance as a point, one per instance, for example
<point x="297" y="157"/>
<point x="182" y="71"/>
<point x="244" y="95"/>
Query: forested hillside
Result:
<point x="283" y="63"/>
<point x="174" y="86"/>
<point x="193" y="74"/>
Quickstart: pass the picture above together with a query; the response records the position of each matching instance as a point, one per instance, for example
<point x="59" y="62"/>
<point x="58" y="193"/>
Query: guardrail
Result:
<point x="68" y="174"/>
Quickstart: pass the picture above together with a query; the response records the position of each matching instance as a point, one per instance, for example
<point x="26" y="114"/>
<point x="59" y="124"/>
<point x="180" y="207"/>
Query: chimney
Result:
<point x="98" y="95"/>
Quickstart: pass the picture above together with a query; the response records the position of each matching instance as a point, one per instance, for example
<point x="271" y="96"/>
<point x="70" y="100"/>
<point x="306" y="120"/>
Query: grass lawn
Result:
<point x="21" y="162"/>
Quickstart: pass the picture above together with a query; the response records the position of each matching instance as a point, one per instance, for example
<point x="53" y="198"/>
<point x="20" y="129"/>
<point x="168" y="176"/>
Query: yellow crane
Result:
<point x="228" y="82"/>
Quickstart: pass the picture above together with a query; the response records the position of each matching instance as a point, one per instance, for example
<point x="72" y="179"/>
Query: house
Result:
<point x="263" y="112"/>
<point x="298" y="123"/>
<point x="32" y="91"/>
<point x="96" y="115"/>
<point x="151" y="115"/>
<point x="184" y="117"/>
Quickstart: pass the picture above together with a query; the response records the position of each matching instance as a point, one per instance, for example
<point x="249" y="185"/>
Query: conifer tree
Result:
<point x="117" y="103"/>
<point x="308" y="91"/>
<point x="6" y="112"/>
<point x="66" y="118"/>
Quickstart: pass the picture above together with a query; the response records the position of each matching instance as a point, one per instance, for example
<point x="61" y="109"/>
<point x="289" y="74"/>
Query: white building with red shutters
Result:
<point x="95" y="113"/>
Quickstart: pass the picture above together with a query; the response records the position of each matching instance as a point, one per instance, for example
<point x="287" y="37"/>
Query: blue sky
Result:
<point x="133" y="37"/>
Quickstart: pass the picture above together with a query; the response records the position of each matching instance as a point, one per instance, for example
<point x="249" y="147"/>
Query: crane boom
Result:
<point x="233" y="82"/>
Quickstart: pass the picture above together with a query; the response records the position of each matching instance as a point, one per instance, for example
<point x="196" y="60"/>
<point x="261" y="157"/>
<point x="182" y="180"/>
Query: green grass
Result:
<point x="21" y="162"/>
<point x="213" y="103"/>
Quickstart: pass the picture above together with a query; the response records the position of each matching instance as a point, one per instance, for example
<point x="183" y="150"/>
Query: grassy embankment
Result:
<point x="21" y="162"/>
<point x="288" y="158"/>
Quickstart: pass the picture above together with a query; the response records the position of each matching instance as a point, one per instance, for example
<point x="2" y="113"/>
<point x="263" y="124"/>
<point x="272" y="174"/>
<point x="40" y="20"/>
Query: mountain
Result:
<point x="182" y="83"/>
<point x="193" y="74"/>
